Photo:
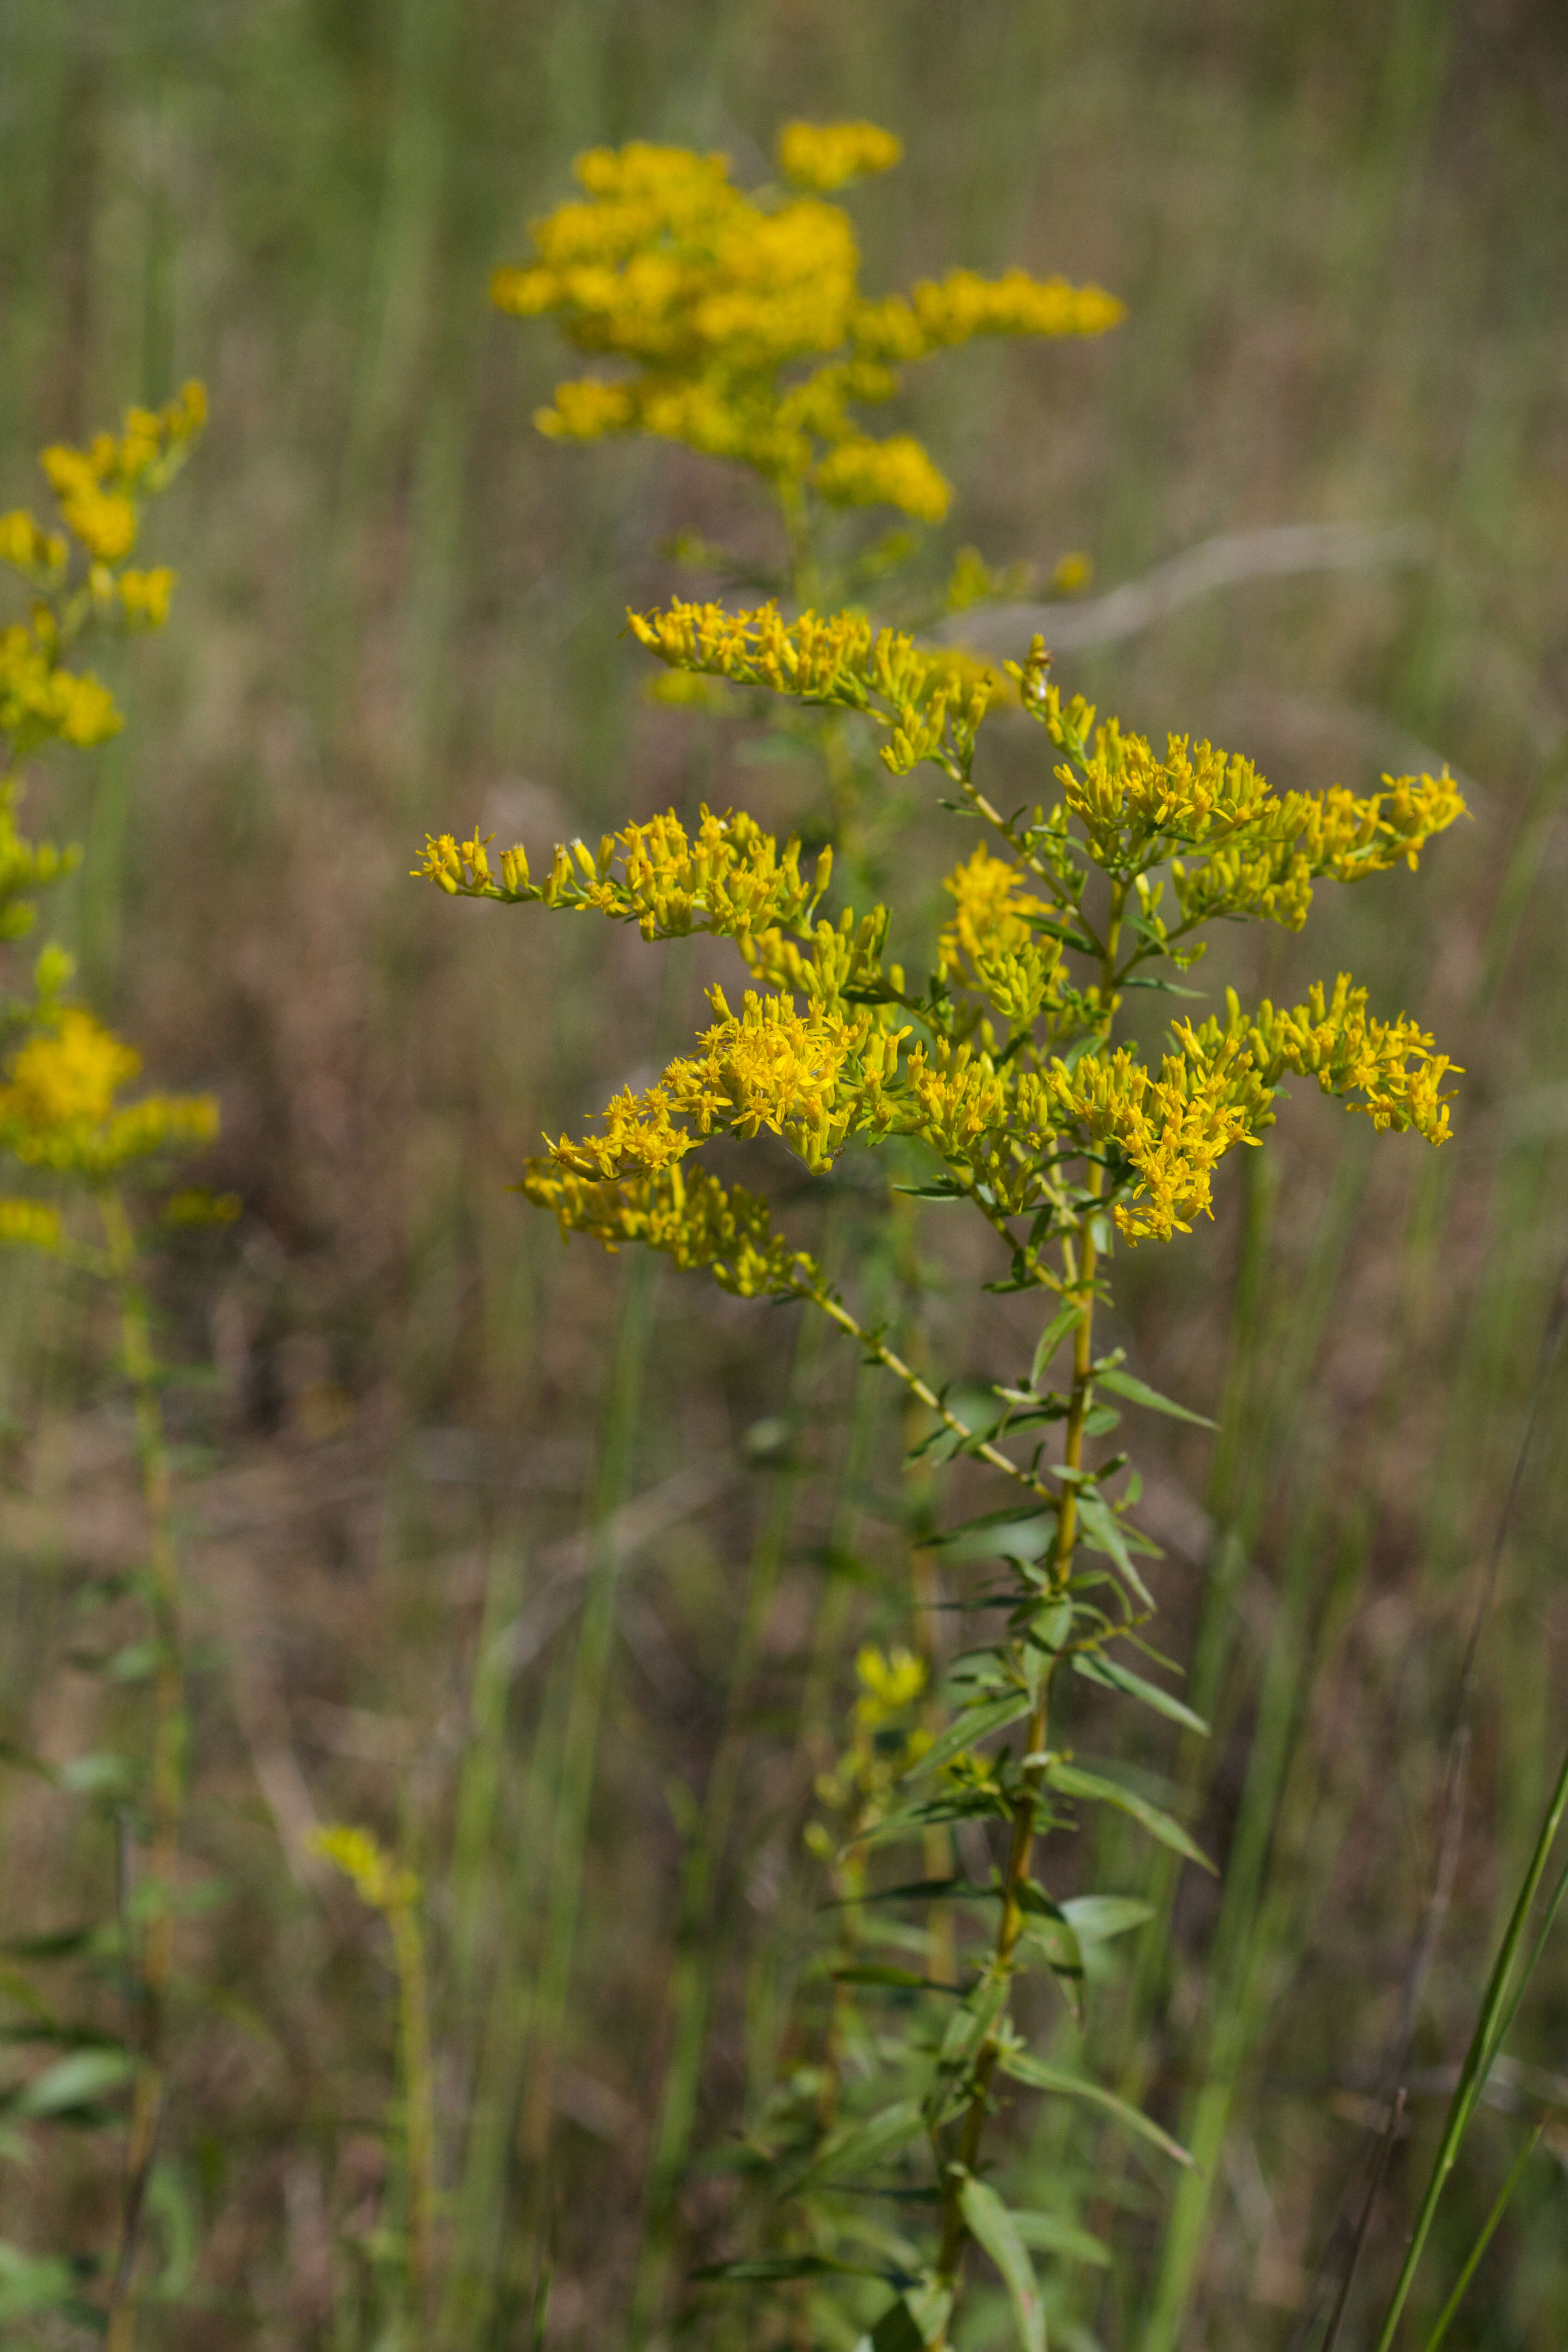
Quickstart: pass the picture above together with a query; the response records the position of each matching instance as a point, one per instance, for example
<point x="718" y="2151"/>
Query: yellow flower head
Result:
<point x="828" y="155"/>
<point x="710" y="295"/>
<point x="890" y="1681"/>
<point x="59" y="1106"/>
<point x="375" y="1877"/>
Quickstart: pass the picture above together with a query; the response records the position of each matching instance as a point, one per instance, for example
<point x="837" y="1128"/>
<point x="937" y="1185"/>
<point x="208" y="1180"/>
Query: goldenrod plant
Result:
<point x="99" y="1166"/>
<point x="714" y="296"/>
<point x="393" y="1891"/>
<point x="1011" y="1071"/>
<point x="735" y="323"/>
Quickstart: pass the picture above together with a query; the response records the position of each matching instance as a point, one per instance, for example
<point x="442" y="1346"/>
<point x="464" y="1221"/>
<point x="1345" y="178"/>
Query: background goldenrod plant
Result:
<point x="91" y="1156"/>
<point x="443" y="1466"/>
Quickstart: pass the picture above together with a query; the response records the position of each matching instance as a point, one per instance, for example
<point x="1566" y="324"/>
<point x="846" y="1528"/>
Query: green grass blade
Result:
<point x="1482" y="2051"/>
<point x="1505" y="2194"/>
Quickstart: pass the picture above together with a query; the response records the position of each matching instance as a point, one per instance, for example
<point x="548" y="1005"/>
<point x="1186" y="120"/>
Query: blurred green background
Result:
<point x="1341" y="232"/>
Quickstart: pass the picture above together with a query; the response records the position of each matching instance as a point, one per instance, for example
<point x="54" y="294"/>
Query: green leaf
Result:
<point x="1101" y="1533"/>
<point x="99" y="1774"/>
<point x="1116" y="1676"/>
<point x="895" y="2331"/>
<point x="974" y="1723"/>
<point x="73" y="2083"/>
<point x="896" y="1979"/>
<point x="922" y="1890"/>
<point x="1094" y="1791"/>
<point x="864" y="2144"/>
<point x="765" y="2268"/>
<point x="1066" y="1320"/>
<point x="1138" y="1392"/>
<point x="1044" y="2234"/>
<point x="1097" y="1917"/>
<point x="33" y="2282"/>
<point x="991" y="1523"/>
<point x="1026" y="2068"/>
<point x="1058" y="1939"/>
<point x="136" y="1663"/>
<point x="992" y="2227"/>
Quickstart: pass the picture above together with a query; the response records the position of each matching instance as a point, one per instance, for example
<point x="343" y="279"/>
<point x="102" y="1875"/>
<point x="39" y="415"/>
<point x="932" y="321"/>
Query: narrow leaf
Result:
<point x="767" y="2268"/>
<point x="1116" y="1676"/>
<point x="77" y="2081"/>
<point x="896" y="1979"/>
<point x="1097" y="1917"/>
<point x="1138" y="1392"/>
<point x="866" y="2144"/>
<point x="922" y="1890"/>
<point x="1026" y="2068"/>
<point x="992" y="2227"/>
<point x="974" y="1723"/>
<point x="1066" y="1320"/>
<point x="1093" y="1789"/>
<point x="1045" y="2234"/>
<point x="1102" y="1533"/>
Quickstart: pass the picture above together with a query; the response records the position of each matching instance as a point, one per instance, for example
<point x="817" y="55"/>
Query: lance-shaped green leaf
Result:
<point x="1023" y="2067"/>
<point x="1053" y="1934"/>
<point x="1011" y="1533"/>
<point x="915" y="2320"/>
<point x="1137" y="1392"/>
<point x="976" y="1723"/>
<point x="863" y="2145"/>
<point x="1091" y="1788"/>
<point x="1045" y="2233"/>
<point x="762" y="2270"/>
<point x="920" y="1890"/>
<point x="992" y="2226"/>
<point x="1097" y="1917"/>
<point x="1066" y="1318"/>
<point x="1114" y="1676"/>
<point x="75" y="2083"/>
<point x="1103" y="1531"/>
<point x="898" y="1980"/>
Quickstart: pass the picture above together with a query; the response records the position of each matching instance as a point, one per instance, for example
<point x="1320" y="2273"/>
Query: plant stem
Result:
<point x="168" y="1758"/>
<point x="1504" y="2198"/>
<point x="1490" y="2026"/>
<point x="1079" y="1267"/>
<point x="419" y="2099"/>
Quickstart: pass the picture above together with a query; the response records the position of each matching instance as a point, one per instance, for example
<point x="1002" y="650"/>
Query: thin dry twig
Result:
<point x="1222" y="562"/>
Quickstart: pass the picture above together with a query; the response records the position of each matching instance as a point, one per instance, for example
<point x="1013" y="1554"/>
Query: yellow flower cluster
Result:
<point x="1173" y="1128"/>
<point x="890" y="1681"/>
<point x="376" y="1879"/>
<point x="814" y="1079"/>
<point x="58" y="1111"/>
<point x="827" y="155"/>
<point x="731" y="878"/>
<point x="41" y="700"/>
<point x="931" y="704"/>
<point x="686" y="1214"/>
<point x="989" y="940"/>
<point x="1262" y="850"/>
<point x="31" y="1224"/>
<point x="97" y="489"/>
<point x="713" y="294"/>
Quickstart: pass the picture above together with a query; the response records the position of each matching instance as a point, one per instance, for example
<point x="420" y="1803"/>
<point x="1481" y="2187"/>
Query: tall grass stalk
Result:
<point x="1498" y="2007"/>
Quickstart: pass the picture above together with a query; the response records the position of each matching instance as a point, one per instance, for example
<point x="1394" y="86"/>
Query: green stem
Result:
<point x="419" y="2100"/>
<point x="1505" y="2198"/>
<point x="1079" y="1269"/>
<point x="1485" y="2042"/>
<point x="168" y="1759"/>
